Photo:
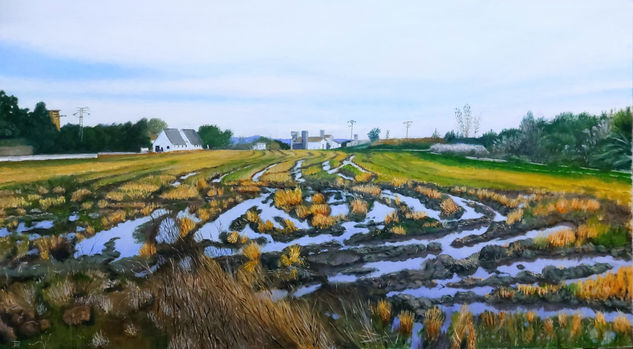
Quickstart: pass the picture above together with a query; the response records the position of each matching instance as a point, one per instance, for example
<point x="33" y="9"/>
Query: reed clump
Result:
<point x="288" y="198"/>
<point x="181" y="192"/>
<point x="448" y="206"/>
<point x="359" y="207"/>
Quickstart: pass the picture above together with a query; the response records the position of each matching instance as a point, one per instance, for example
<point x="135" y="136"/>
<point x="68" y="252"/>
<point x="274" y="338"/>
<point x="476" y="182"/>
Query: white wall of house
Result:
<point x="163" y="142"/>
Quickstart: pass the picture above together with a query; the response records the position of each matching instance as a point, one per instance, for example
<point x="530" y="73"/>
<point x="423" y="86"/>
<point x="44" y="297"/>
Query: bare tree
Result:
<point x="465" y="120"/>
<point x="350" y="124"/>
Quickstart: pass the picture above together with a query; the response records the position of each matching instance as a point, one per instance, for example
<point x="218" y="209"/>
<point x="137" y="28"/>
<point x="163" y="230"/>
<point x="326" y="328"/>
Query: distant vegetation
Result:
<point x="20" y="126"/>
<point x="213" y="137"/>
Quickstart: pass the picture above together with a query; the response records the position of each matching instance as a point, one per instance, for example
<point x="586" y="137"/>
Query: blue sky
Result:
<point x="271" y="67"/>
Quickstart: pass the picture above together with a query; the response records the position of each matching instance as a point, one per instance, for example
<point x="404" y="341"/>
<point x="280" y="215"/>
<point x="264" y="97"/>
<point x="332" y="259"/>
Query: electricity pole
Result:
<point x="350" y="124"/>
<point x="407" y="124"/>
<point x="80" y="112"/>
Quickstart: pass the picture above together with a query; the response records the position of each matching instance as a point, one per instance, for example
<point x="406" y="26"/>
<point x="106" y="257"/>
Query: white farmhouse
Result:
<point x="259" y="146"/>
<point x="173" y="139"/>
<point x="313" y="143"/>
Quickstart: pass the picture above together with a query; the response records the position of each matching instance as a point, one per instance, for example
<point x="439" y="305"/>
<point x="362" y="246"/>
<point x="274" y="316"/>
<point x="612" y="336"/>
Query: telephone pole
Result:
<point x="80" y="113"/>
<point x="407" y="124"/>
<point x="350" y="124"/>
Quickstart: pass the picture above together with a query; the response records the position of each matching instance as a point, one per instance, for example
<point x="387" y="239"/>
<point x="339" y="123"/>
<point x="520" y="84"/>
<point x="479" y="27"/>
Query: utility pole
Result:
<point x="350" y="124"/>
<point x="407" y="124"/>
<point x="80" y="112"/>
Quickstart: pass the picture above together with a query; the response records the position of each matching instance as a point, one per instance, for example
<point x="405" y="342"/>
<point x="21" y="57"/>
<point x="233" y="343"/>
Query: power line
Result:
<point x="407" y="124"/>
<point x="80" y="112"/>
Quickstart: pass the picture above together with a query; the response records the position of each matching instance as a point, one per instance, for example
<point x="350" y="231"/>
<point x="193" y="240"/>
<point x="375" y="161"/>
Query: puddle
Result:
<point x="304" y="290"/>
<point x="297" y="175"/>
<point x="188" y="175"/>
<point x="38" y="225"/>
<point x="413" y="203"/>
<point x="538" y="265"/>
<point x="258" y="175"/>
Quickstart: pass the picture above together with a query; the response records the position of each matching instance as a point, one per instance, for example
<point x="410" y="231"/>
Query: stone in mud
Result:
<point x="434" y="247"/>
<point x="553" y="274"/>
<point x="359" y="271"/>
<point x="490" y="255"/>
<point x="409" y="302"/>
<point x="77" y="315"/>
<point x="335" y="259"/>
<point x="520" y="266"/>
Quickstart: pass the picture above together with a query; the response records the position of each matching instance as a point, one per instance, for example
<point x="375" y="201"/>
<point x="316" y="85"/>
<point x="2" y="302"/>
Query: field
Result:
<point x="313" y="249"/>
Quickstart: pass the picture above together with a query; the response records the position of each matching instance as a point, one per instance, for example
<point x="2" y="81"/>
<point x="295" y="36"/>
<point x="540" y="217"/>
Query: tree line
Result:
<point x="35" y="128"/>
<point x="599" y="141"/>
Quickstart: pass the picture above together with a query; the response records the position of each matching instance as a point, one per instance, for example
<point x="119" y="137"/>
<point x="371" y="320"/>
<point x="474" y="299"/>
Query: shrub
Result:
<point x="514" y="216"/>
<point x="301" y="211"/>
<point x="48" y="243"/>
<point x="622" y="325"/>
<point x="428" y="192"/>
<point x="251" y="251"/>
<point x="201" y="184"/>
<point x="369" y="189"/>
<point x="14" y="202"/>
<point x="288" y="198"/>
<point x="398" y="182"/>
<point x="419" y="215"/>
<point x="398" y="230"/>
<point x="292" y="257"/>
<point x="318" y="198"/>
<point x="322" y="222"/>
<point x="186" y="225"/>
<point x="320" y="209"/>
<point x="45" y="204"/>
<point x="617" y="285"/>
<point x="383" y="310"/>
<point x="392" y="217"/>
<point x="252" y="216"/>
<point x="289" y="226"/>
<point x="233" y="237"/>
<point x="433" y="320"/>
<point x="181" y="192"/>
<point x="267" y="226"/>
<point x="562" y="238"/>
<point x="359" y="207"/>
<point x="448" y="206"/>
<point x="406" y="323"/>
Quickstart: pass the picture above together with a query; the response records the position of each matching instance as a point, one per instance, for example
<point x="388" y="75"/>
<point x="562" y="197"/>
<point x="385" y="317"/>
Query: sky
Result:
<point x="269" y="67"/>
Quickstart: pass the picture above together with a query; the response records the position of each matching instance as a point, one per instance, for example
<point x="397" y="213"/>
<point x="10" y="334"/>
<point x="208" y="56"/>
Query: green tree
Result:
<point x="12" y="118"/>
<point x="213" y="137"/>
<point x="155" y="126"/>
<point x="42" y="134"/>
<point x="374" y="134"/>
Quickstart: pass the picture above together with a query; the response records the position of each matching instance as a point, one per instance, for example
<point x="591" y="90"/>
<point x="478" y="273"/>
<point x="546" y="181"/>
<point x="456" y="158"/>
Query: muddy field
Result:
<point x="367" y="256"/>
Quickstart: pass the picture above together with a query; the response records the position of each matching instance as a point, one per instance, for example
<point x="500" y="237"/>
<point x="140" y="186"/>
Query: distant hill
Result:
<point x="244" y="140"/>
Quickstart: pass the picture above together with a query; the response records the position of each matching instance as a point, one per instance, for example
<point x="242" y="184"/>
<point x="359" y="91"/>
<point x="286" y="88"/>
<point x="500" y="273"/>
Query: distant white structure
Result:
<point x="259" y="146"/>
<point x="460" y="148"/>
<point x="312" y="143"/>
<point x="173" y="139"/>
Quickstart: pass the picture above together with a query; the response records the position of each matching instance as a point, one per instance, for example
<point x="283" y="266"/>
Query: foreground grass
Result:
<point x="454" y="171"/>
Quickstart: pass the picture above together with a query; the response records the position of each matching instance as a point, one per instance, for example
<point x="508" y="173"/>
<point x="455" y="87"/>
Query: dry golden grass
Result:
<point x="363" y="177"/>
<point x="564" y="206"/>
<point x="419" y="215"/>
<point x="186" y="225"/>
<point x="47" y="203"/>
<point x="181" y="192"/>
<point x="463" y="328"/>
<point x="514" y="216"/>
<point x="616" y="285"/>
<point x="322" y="222"/>
<point x="33" y="197"/>
<point x="292" y="257"/>
<point x="590" y="230"/>
<point x="59" y="190"/>
<point x="288" y="198"/>
<point x="251" y="251"/>
<point x="561" y="238"/>
<point x="392" y="217"/>
<point x="398" y="181"/>
<point x="252" y="216"/>
<point x="48" y="243"/>
<point x="398" y="230"/>
<point x="201" y="184"/>
<point x="233" y="237"/>
<point x="540" y="290"/>
<point x="359" y="207"/>
<point x="210" y="309"/>
<point x="622" y="325"/>
<point x="428" y="192"/>
<point x="369" y="189"/>
<point x="86" y="205"/>
<point x="433" y="321"/>
<point x="148" y="249"/>
<point x="266" y="226"/>
<point x="318" y="198"/>
<point x="42" y="190"/>
<point x="301" y="211"/>
<point x="383" y="311"/>
<point x="13" y="202"/>
<point x="289" y="226"/>
<point x="448" y="206"/>
<point x="79" y="194"/>
<point x="102" y="204"/>
<point x="406" y="323"/>
<point x="213" y="191"/>
<point x="113" y="218"/>
<point x="320" y="209"/>
<point x="245" y="188"/>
